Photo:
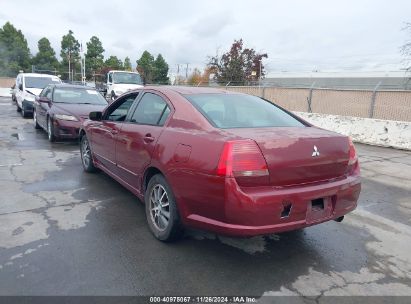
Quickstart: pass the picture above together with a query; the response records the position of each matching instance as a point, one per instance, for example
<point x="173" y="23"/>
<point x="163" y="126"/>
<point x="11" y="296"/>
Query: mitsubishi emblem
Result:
<point x="315" y="152"/>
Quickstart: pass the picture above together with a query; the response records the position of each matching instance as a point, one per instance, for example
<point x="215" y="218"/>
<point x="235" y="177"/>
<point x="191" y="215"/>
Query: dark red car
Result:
<point x="230" y="163"/>
<point x="61" y="108"/>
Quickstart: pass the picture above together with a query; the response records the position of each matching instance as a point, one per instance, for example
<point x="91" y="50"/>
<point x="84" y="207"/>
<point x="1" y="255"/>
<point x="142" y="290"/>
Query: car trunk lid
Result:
<point x="299" y="155"/>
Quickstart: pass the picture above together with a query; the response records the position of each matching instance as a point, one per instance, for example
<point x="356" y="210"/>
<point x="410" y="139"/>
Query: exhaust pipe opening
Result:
<point x="339" y="219"/>
<point x="286" y="210"/>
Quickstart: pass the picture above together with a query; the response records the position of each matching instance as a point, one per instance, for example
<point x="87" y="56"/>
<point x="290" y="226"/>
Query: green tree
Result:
<point x="239" y="65"/>
<point x="127" y="64"/>
<point x="145" y="66"/>
<point x="160" y="70"/>
<point x="45" y="59"/>
<point x="113" y="63"/>
<point x="94" y="56"/>
<point x="14" y="51"/>
<point x="70" y="53"/>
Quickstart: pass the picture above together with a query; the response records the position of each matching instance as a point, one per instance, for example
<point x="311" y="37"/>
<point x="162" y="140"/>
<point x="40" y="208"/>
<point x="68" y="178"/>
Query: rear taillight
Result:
<point x="353" y="166"/>
<point x="242" y="158"/>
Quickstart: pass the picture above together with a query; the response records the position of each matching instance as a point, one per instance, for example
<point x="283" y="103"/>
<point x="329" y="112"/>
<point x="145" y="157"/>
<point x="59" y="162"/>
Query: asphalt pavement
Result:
<point x="66" y="232"/>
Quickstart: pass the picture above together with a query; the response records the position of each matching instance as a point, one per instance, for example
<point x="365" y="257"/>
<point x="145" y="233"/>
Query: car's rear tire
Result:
<point x="50" y="130"/>
<point x="36" y="124"/>
<point x="86" y="155"/>
<point x="161" y="210"/>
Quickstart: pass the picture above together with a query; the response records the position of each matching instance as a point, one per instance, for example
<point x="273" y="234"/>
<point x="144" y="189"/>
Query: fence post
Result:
<point x="310" y="96"/>
<point x="263" y="92"/>
<point x="227" y="85"/>
<point x="372" y="104"/>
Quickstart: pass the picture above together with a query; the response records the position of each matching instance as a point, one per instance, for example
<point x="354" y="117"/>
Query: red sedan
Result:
<point x="230" y="163"/>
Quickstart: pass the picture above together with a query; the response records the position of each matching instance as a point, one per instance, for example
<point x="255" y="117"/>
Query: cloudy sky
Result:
<point x="298" y="36"/>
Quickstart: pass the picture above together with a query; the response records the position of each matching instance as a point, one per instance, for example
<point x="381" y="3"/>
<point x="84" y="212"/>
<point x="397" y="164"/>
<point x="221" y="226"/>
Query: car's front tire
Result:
<point x="18" y="107"/>
<point x="86" y="156"/>
<point x="50" y="130"/>
<point x="113" y="96"/>
<point x="36" y="124"/>
<point x="24" y="113"/>
<point x="161" y="210"/>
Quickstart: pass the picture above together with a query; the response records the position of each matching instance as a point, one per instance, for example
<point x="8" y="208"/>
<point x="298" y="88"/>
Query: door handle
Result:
<point x="148" y="138"/>
<point x="114" y="132"/>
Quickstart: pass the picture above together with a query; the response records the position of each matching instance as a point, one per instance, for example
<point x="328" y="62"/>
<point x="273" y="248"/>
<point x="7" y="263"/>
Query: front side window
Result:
<point x="49" y="93"/>
<point x="241" y="111"/>
<point x="44" y="92"/>
<point x="151" y="110"/>
<point x="119" y="110"/>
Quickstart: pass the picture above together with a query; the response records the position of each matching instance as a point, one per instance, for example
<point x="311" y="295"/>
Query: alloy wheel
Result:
<point x="159" y="207"/>
<point x="49" y="131"/>
<point x="85" y="153"/>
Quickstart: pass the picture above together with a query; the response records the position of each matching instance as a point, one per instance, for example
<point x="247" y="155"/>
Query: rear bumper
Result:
<point x="260" y="211"/>
<point x="65" y="129"/>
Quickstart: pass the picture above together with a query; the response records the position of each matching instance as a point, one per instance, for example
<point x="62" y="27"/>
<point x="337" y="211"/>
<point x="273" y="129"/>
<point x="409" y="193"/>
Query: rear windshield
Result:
<point x="78" y="96"/>
<point x="241" y="111"/>
<point x="39" y="82"/>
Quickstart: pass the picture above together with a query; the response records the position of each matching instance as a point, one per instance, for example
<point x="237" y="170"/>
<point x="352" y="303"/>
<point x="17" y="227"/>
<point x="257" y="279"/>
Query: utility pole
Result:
<point x="83" y="65"/>
<point x="186" y="71"/>
<point x="259" y="80"/>
<point x="69" y="67"/>
<point x="178" y="72"/>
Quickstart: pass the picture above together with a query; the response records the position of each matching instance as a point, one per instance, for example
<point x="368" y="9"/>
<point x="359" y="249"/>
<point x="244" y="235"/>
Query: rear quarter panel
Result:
<point x="196" y="187"/>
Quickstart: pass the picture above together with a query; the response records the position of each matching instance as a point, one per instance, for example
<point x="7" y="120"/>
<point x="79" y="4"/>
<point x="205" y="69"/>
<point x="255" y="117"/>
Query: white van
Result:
<point x="28" y="86"/>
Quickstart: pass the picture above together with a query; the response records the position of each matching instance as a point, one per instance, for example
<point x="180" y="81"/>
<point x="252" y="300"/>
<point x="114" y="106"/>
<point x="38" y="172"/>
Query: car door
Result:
<point x="104" y="132"/>
<point x="137" y="138"/>
<point x="42" y="108"/>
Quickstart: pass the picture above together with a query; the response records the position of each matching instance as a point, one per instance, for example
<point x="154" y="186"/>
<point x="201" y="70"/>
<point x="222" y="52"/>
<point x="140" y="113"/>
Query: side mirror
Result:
<point x="21" y="87"/>
<point x="96" y="116"/>
<point x="43" y="99"/>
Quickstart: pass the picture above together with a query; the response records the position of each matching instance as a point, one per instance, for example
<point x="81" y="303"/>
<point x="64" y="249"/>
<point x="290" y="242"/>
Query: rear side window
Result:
<point x="151" y="110"/>
<point x="241" y="111"/>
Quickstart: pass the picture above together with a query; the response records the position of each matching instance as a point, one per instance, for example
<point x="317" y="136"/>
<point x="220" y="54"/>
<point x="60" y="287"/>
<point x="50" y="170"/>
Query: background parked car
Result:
<point x="28" y="86"/>
<point x="60" y="109"/>
<point x="230" y="163"/>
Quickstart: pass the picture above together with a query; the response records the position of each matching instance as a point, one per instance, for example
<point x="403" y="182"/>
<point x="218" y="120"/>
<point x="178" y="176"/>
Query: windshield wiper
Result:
<point x="30" y="92"/>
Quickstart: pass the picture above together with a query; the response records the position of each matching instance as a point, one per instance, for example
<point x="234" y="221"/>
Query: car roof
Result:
<point x="188" y="90"/>
<point x="72" y="86"/>
<point x="38" y="75"/>
<point x="117" y="71"/>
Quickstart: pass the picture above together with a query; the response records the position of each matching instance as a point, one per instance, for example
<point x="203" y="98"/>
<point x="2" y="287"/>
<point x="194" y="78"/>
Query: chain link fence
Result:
<point x="379" y="104"/>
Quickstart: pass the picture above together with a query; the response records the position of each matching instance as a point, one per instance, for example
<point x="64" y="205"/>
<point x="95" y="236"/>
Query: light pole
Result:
<point x="69" y="59"/>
